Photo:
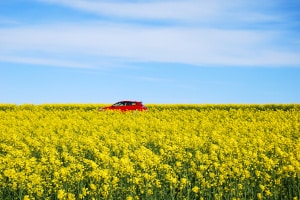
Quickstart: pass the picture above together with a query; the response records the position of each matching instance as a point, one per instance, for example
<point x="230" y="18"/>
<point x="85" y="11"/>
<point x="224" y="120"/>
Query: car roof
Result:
<point x="129" y="101"/>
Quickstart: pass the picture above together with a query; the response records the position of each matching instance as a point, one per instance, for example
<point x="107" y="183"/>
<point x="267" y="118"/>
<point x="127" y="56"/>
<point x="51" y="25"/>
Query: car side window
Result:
<point x="126" y="104"/>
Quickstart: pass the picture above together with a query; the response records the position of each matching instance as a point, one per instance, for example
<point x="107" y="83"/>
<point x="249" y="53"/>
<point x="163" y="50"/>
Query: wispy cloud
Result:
<point x="180" y="10"/>
<point x="136" y="43"/>
<point x="43" y="62"/>
<point x="211" y="13"/>
<point x="112" y="43"/>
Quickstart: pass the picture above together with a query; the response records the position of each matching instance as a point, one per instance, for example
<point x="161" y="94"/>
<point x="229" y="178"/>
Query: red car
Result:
<point x="126" y="106"/>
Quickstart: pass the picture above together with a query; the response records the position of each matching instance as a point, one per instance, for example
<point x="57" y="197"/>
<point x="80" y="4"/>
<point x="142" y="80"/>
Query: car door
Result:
<point x="129" y="106"/>
<point x="135" y="106"/>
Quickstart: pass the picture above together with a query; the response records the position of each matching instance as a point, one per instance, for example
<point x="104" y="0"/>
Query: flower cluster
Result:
<point x="170" y="152"/>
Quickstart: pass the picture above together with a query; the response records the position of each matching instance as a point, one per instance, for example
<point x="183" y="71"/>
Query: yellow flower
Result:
<point x="61" y="194"/>
<point x="195" y="189"/>
<point x="259" y="196"/>
<point x="129" y="198"/>
<point x="183" y="181"/>
<point x="211" y="175"/>
<point x="93" y="186"/>
<point x="262" y="187"/>
<point x="149" y="192"/>
<point x="47" y="148"/>
<point x="178" y="164"/>
<point x="257" y="173"/>
<point x="268" y="193"/>
<point x="71" y="196"/>
<point x="157" y="183"/>
<point x="115" y="181"/>
<point x="26" y="197"/>
<point x="84" y="191"/>
<point x="240" y="186"/>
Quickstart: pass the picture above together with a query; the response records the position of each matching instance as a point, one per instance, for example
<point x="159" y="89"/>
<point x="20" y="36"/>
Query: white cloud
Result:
<point x="111" y="44"/>
<point x="138" y="43"/>
<point x="146" y="10"/>
<point x="188" y="11"/>
<point x="43" y="62"/>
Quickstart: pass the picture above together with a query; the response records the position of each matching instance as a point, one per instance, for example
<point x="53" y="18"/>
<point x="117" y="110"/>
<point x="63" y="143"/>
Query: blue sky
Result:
<point x="179" y="51"/>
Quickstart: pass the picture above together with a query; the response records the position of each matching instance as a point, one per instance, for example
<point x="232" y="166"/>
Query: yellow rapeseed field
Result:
<point x="70" y="151"/>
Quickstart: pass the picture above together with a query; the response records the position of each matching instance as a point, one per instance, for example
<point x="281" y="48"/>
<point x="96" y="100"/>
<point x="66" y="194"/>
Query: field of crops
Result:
<point x="170" y="152"/>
